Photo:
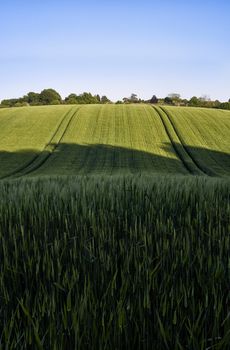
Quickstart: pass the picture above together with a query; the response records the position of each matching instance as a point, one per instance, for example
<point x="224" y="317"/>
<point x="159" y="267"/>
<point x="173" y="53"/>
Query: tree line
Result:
<point x="52" y="97"/>
<point x="175" y="99"/>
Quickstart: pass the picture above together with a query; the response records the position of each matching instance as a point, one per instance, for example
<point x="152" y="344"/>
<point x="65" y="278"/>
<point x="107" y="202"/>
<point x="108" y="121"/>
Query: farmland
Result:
<point x="114" y="227"/>
<point x="112" y="139"/>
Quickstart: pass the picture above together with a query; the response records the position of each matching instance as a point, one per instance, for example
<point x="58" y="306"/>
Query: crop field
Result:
<point x="114" y="228"/>
<point x="111" y="139"/>
<point x="206" y="137"/>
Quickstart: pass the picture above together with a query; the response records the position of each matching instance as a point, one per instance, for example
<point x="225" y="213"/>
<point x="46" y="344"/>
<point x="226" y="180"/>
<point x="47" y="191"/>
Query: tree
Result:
<point x="194" y="102"/>
<point x="224" y="105"/>
<point x="33" y="98"/>
<point x="204" y="98"/>
<point x="21" y="104"/>
<point x="174" y="96"/>
<point x="176" y="99"/>
<point x="168" y="100"/>
<point x="71" y="99"/>
<point x="104" y="99"/>
<point x="184" y="102"/>
<point x="216" y="103"/>
<point x="98" y="98"/>
<point x="133" y="98"/>
<point x="87" y="98"/>
<point x="55" y="102"/>
<point x="9" y="103"/>
<point x="49" y="96"/>
<point x="154" y="99"/>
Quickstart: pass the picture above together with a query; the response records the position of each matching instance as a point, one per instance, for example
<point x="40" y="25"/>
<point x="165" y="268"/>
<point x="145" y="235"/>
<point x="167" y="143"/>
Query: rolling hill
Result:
<point x="114" y="139"/>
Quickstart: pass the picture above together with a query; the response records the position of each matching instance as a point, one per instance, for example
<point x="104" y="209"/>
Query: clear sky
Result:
<point x="115" y="47"/>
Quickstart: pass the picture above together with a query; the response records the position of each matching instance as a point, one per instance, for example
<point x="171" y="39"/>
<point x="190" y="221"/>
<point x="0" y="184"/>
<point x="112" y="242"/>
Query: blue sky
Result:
<point x="115" y="47"/>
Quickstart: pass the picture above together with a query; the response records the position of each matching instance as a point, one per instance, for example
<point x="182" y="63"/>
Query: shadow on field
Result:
<point x="73" y="159"/>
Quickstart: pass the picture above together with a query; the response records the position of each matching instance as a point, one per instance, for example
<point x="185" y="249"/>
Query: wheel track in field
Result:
<point x="39" y="159"/>
<point x="180" y="149"/>
<point x="206" y="171"/>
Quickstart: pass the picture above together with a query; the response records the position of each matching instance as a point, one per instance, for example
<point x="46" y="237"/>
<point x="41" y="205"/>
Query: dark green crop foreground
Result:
<point x="115" y="263"/>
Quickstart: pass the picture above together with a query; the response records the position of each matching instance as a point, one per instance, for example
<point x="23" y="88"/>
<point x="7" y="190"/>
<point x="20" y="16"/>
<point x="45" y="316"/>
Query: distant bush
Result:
<point x="48" y="96"/>
<point x="52" y="97"/>
<point x="202" y="102"/>
<point x="9" y="103"/>
<point x="55" y="102"/>
<point x="154" y="99"/>
<point x="86" y="98"/>
<point x="33" y="98"/>
<point x="35" y="104"/>
<point x="194" y="102"/>
<point x="21" y="104"/>
<point x="224" y="105"/>
<point x="168" y="100"/>
<point x="104" y="99"/>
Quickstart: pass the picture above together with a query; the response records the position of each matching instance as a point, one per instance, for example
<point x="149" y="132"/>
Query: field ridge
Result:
<point x="41" y="158"/>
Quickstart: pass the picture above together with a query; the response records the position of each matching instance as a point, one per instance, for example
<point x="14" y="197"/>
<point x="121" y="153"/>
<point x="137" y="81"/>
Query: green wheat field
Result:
<point x="114" y="227"/>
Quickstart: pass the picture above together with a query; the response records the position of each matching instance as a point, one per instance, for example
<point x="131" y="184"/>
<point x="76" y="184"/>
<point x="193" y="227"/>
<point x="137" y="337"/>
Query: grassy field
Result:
<point x="111" y="139"/>
<point x="205" y="135"/>
<point x="114" y="228"/>
<point x="25" y="133"/>
<point x="115" y="263"/>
